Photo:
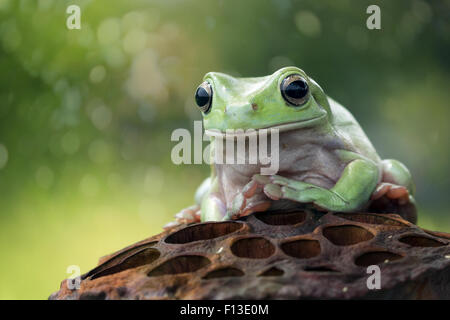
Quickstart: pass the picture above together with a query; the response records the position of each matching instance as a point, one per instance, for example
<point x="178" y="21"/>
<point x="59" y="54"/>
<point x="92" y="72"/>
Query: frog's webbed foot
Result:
<point x="350" y="193"/>
<point x="278" y="187"/>
<point x="247" y="202"/>
<point x="188" y="215"/>
<point x="393" y="192"/>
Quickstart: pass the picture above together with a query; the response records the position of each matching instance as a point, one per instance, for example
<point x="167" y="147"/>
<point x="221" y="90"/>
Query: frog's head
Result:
<point x="287" y="99"/>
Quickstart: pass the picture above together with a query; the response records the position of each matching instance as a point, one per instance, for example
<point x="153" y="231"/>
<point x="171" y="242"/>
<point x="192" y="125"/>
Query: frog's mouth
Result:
<point x="232" y="133"/>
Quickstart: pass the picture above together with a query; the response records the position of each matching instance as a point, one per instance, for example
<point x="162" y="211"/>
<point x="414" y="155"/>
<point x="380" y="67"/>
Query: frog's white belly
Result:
<point x="305" y="156"/>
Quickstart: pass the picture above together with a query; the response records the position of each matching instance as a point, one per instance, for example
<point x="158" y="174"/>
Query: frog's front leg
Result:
<point x="351" y="192"/>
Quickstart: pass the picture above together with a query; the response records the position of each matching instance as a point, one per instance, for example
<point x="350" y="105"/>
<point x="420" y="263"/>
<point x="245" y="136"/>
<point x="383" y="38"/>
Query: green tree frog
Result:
<point x="326" y="161"/>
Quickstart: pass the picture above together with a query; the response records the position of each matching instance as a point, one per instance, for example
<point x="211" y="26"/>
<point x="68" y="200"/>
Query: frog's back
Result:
<point x="350" y="130"/>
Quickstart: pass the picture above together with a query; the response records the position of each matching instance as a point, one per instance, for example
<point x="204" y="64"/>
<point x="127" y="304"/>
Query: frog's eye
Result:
<point x="294" y="89"/>
<point x="203" y="96"/>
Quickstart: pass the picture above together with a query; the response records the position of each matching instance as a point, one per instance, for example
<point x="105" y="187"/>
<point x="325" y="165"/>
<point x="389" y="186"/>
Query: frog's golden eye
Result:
<point x="294" y="89"/>
<point x="203" y="96"/>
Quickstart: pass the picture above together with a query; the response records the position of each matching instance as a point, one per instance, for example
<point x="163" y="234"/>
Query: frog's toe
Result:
<point x="293" y="184"/>
<point x="381" y="190"/>
<point x="296" y="195"/>
<point x="171" y="225"/>
<point x="238" y="203"/>
<point x="290" y="192"/>
<point x="241" y="200"/>
<point x="393" y="192"/>
<point x="273" y="191"/>
<point x="405" y="206"/>
<point x="184" y="215"/>
<point x="256" y="207"/>
<point x="280" y="180"/>
<point x="249" y="209"/>
<point x="188" y="215"/>
<point x="397" y="192"/>
<point x="251" y="189"/>
<point x="261" y="179"/>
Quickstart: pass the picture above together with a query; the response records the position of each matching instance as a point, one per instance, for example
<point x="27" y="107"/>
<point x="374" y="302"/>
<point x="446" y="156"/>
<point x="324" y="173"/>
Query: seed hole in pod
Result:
<point x="272" y="272"/>
<point x="224" y="272"/>
<point x="119" y="257"/>
<point x="253" y="248"/>
<point x="346" y="235"/>
<point x="370" y="219"/>
<point x="420" y="241"/>
<point x="376" y="257"/>
<point x="282" y="218"/>
<point x="110" y="259"/>
<point x="203" y="231"/>
<point x="302" y="248"/>
<point x="180" y="264"/>
<point x="137" y="259"/>
<point x="319" y="269"/>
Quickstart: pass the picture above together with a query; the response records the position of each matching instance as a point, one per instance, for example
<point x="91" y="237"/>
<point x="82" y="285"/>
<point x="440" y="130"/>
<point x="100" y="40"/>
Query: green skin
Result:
<point x="327" y="160"/>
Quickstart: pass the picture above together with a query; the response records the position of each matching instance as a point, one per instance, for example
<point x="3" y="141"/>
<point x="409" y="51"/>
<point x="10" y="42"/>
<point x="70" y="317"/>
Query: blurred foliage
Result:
<point x="86" y="115"/>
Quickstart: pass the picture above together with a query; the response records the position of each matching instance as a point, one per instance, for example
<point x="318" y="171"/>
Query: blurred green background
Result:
<point x="86" y="115"/>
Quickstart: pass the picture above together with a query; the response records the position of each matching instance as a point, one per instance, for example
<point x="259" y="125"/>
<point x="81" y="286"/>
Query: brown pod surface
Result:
<point x="293" y="255"/>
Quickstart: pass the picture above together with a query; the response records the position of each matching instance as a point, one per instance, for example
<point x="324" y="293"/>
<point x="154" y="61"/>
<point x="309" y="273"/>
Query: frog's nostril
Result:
<point x="254" y="106"/>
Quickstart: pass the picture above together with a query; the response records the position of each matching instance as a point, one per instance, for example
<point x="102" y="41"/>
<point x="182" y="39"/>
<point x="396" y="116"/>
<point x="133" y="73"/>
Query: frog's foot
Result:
<point x="391" y="191"/>
<point x="245" y="203"/>
<point x="277" y="187"/>
<point x="185" y="216"/>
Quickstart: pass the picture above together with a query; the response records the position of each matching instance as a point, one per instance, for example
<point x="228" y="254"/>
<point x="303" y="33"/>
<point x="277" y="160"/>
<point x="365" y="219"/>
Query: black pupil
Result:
<point x="296" y="89"/>
<point x="201" y="97"/>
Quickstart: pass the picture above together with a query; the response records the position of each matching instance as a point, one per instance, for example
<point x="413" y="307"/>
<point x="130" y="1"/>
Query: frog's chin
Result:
<point x="280" y="128"/>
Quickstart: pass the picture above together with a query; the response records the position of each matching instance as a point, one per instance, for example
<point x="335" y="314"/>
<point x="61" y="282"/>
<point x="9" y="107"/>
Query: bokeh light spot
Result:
<point x="146" y="79"/>
<point x="5" y="4"/>
<point x="97" y="74"/>
<point x="154" y="180"/>
<point x="109" y="31"/>
<point x="307" y="23"/>
<point x="114" y="56"/>
<point x="134" y="41"/>
<point x="101" y="117"/>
